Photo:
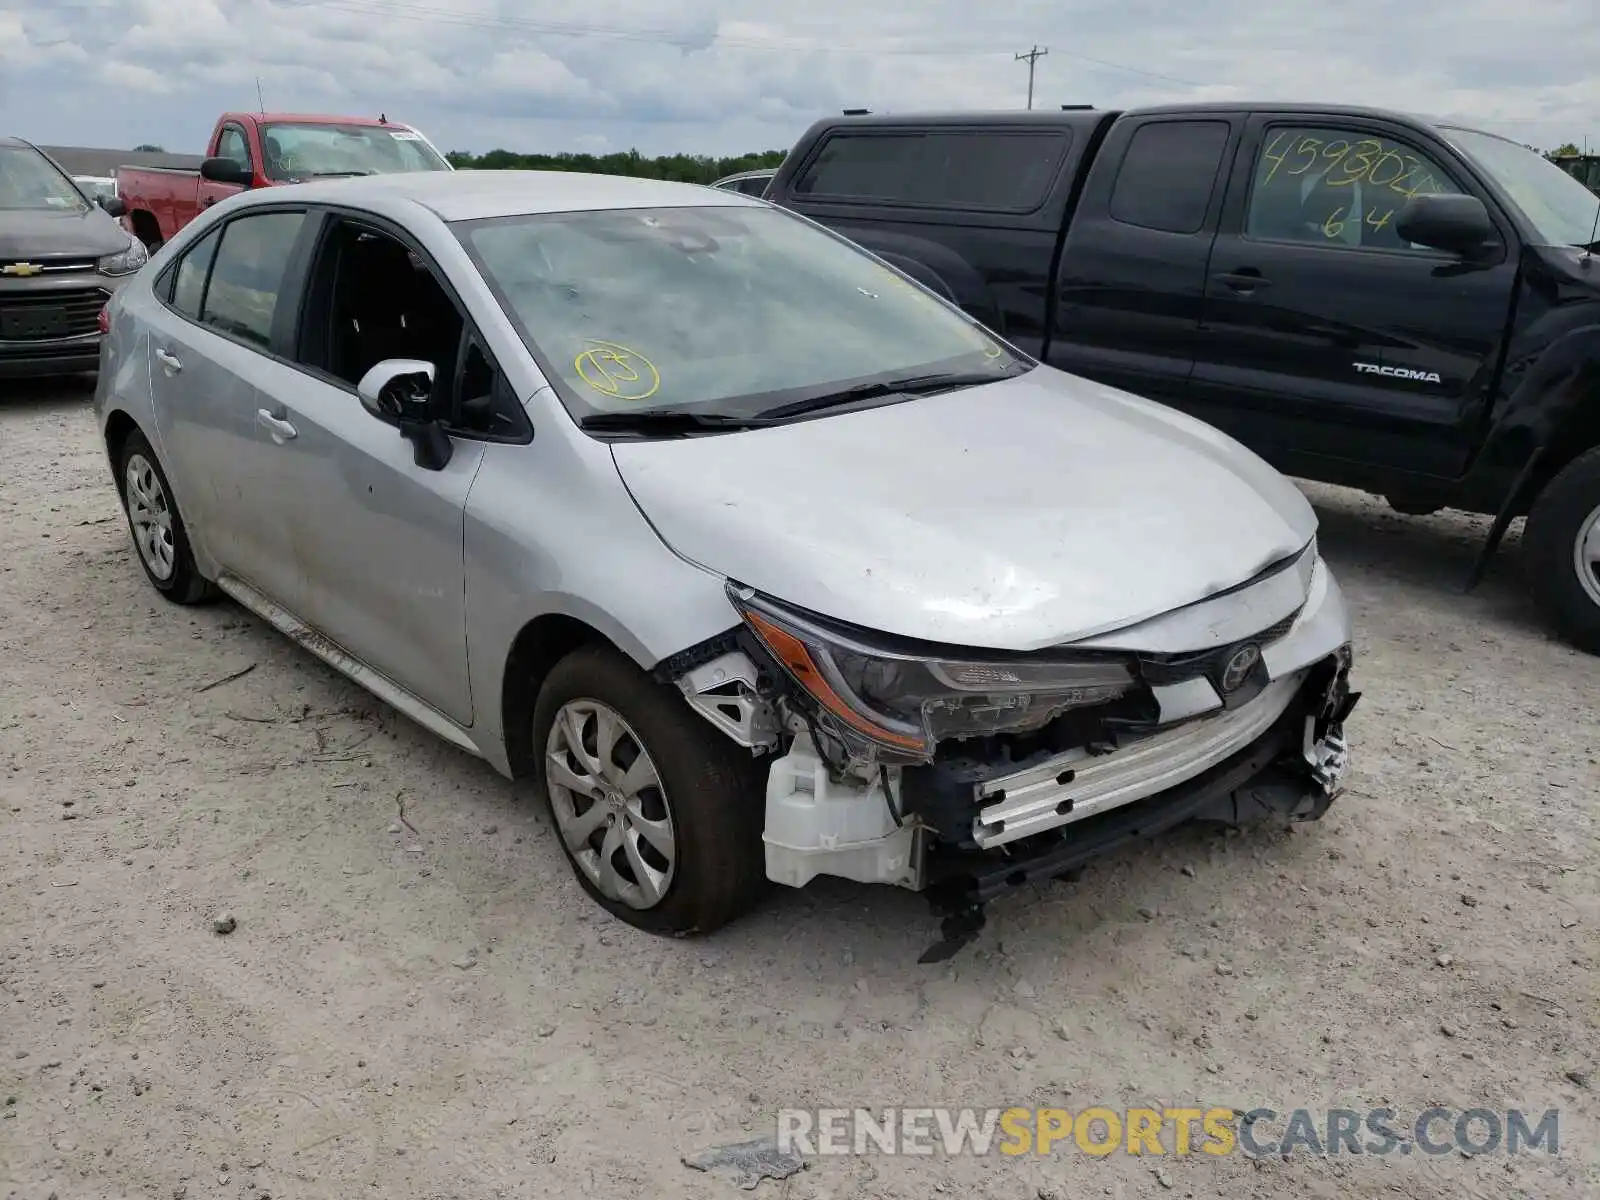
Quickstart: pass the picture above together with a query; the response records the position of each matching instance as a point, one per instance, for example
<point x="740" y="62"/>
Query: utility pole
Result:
<point x="1033" y="56"/>
<point x="260" y="103"/>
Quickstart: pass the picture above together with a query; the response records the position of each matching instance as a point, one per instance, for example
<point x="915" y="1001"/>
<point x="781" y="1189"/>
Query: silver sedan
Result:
<point x="764" y="561"/>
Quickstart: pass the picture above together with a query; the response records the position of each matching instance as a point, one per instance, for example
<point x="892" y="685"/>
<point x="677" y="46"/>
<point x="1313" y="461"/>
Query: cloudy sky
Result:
<point x="727" y="76"/>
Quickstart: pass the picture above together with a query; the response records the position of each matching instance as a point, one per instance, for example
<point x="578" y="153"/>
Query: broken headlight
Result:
<point x="907" y="702"/>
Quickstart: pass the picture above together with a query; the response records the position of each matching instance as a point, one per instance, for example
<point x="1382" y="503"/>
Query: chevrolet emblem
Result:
<point x="21" y="269"/>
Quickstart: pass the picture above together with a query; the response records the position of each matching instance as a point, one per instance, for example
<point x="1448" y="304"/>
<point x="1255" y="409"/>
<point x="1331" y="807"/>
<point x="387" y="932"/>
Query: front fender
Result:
<point x="1554" y="399"/>
<point x="552" y="531"/>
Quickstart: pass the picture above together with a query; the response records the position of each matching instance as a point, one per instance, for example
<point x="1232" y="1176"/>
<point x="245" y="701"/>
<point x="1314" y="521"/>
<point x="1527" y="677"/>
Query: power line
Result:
<point x="1033" y="56"/>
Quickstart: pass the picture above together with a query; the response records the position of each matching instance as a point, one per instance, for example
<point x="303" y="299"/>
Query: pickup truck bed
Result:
<point x="1360" y="296"/>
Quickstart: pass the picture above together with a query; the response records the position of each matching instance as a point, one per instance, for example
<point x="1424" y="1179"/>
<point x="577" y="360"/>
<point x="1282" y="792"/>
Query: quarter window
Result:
<point x="1007" y="171"/>
<point x="1168" y="173"/>
<point x="189" y="286"/>
<point x="1337" y="187"/>
<point x="242" y="297"/>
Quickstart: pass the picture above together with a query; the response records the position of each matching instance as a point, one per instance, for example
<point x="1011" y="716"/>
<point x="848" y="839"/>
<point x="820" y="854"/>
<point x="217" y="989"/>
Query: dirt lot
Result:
<point x="428" y="1007"/>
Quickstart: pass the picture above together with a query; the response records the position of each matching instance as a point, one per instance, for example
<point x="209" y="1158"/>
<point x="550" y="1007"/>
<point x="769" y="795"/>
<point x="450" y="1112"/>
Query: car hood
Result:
<point x="1016" y="515"/>
<point x="43" y="233"/>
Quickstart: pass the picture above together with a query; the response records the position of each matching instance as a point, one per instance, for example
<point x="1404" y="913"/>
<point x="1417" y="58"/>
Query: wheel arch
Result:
<point x="118" y="425"/>
<point x="145" y="227"/>
<point x="538" y="646"/>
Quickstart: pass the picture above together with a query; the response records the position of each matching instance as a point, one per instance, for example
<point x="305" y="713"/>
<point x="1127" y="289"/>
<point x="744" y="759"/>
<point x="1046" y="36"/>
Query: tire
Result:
<point x="707" y="788"/>
<point x="160" y="541"/>
<point x="1563" y="541"/>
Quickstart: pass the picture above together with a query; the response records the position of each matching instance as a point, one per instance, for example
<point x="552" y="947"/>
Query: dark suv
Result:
<point x="61" y="257"/>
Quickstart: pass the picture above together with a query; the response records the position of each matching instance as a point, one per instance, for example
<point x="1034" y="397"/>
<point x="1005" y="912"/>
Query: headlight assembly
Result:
<point x="127" y="261"/>
<point x="907" y="702"/>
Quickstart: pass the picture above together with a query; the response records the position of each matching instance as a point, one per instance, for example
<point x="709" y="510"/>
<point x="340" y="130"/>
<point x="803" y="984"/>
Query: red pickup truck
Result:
<point x="250" y="150"/>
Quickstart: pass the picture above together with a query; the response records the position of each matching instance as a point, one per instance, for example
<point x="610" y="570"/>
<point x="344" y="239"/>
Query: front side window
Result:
<point x="1337" y="187"/>
<point x="302" y="151"/>
<point x="247" y="275"/>
<point x="722" y="309"/>
<point x="231" y="145"/>
<point x="1006" y="171"/>
<point x="1561" y="210"/>
<point x="30" y="182"/>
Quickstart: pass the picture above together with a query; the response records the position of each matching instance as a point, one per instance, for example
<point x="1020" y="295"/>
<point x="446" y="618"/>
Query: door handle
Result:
<point x="280" y="429"/>
<point x="169" y="361"/>
<point x="208" y="202"/>
<point x="1247" y="279"/>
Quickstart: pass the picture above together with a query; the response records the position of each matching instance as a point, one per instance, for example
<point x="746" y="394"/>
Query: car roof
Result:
<point x="475" y="195"/>
<point x="1079" y="116"/>
<point x="321" y="119"/>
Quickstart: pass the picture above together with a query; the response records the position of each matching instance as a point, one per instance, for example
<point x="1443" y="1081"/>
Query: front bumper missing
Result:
<point x="1291" y="771"/>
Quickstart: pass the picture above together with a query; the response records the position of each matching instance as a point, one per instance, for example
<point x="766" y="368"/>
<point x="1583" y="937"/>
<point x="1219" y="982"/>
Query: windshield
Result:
<point x="1560" y="209"/>
<point x="727" y="310"/>
<point x="297" y="151"/>
<point x="28" y="180"/>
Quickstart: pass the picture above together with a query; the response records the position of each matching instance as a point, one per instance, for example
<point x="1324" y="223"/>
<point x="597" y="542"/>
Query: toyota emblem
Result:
<point x="1239" y="666"/>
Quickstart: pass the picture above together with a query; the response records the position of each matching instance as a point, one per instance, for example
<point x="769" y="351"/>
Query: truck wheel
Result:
<point x="158" y="531"/>
<point x="659" y="815"/>
<point x="1563" y="540"/>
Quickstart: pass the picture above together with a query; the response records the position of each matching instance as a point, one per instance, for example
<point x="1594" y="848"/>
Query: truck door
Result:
<point x="1132" y="276"/>
<point x="231" y="143"/>
<point x="1325" y="338"/>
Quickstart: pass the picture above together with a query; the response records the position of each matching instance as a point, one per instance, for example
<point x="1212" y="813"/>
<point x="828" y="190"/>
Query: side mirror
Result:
<point x="113" y="205"/>
<point x="226" y="170"/>
<point x="399" y="392"/>
<point x="1454" y="224"/>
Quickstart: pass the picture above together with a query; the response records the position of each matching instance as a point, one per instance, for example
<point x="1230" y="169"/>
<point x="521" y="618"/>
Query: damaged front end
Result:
<point x="964" y="774"/>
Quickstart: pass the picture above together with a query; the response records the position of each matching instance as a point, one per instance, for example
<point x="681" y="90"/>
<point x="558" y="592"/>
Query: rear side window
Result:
<point x="248" y="273"/>
<point x="1003" y="171"/>
<point x="189" y="287"/>
<point x="1168" y="173"/>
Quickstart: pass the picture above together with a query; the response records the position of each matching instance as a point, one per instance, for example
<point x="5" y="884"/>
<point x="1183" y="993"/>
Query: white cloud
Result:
<point x="665" y="76"/>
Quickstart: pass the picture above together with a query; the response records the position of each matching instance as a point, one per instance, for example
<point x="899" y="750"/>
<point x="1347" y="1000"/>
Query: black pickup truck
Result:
<point x="1361" y="297"/>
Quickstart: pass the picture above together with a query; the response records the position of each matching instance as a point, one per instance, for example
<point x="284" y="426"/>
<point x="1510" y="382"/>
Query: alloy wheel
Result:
<point x="610" y="805"/>
<point x="151" y="517"/>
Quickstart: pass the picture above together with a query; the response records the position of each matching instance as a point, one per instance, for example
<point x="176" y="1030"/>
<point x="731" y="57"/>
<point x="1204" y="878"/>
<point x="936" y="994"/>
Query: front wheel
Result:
<point x="1563" y="540"/>
<point x="659" y="815"/>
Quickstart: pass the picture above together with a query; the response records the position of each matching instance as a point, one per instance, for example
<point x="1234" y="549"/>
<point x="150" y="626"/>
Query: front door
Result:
<point x="375" y="541"/>
<point x="1323" y="335"/>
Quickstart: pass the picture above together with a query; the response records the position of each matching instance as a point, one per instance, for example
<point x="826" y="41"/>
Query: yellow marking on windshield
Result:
<point x="614" y="370"/>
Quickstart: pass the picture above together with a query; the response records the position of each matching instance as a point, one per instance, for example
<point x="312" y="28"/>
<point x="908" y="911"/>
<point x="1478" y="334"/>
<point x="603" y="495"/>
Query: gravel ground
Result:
<point x="424" y="1004"/>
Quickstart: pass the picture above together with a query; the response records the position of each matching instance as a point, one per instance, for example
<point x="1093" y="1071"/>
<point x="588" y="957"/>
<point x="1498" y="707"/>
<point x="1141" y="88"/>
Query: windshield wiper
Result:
<point x="666" y="421"/>
<point x="330" y="174"/>
<point x="912" y="385"/>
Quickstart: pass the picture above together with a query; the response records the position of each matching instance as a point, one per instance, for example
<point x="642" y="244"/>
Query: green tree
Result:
<point x="149" y="148"/>
<point x="1565" y="150"/>
<point x="680" y="168"/>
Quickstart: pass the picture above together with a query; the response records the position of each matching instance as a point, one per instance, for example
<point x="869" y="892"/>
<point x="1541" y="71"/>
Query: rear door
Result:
<point x="208" y="345"/>
<point x="1325" y="338"/>
<point x="1131" y="282"/>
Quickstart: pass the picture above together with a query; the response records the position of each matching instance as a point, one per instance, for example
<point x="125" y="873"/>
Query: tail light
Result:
<point x="103" y="321"/>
